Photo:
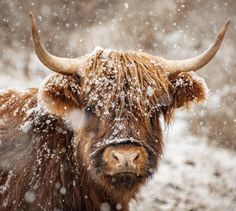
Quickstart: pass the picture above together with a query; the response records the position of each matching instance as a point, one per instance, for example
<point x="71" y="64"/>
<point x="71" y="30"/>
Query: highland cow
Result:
<point x="90" y="135"/>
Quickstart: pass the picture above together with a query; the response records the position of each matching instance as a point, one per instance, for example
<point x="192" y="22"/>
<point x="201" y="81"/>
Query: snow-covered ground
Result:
<point x="192" y="176"/>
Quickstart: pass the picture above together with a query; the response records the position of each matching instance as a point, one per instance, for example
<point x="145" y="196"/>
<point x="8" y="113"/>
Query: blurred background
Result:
<point x="174" y="29"/>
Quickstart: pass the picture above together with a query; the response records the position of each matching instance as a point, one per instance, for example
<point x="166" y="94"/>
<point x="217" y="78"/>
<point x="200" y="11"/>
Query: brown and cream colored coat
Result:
<point x="90" y="136"/>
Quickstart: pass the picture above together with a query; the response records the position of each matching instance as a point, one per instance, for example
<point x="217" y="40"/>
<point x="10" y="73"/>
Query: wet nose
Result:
<point x="125" y="160"/>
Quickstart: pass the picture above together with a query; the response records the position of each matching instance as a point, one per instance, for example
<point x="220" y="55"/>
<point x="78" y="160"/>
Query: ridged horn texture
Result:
<point x="54" y="63"/>
<point x="198" y="62"/>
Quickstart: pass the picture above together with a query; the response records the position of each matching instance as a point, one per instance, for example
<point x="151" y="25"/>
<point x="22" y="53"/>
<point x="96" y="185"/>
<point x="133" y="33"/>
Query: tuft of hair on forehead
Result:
<point x="125" y="82"/>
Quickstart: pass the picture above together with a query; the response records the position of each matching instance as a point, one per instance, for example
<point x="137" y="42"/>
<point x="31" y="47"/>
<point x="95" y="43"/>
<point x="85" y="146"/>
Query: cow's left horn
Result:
<point x="196" y="63"/>
<point x="54" y="63"/>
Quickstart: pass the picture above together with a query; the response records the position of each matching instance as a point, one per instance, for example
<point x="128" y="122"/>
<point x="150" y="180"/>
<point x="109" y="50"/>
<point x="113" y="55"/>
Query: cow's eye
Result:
<point x="152" y="120"/>
<point x="90" y="109"/>
<point x="154" y="117"/>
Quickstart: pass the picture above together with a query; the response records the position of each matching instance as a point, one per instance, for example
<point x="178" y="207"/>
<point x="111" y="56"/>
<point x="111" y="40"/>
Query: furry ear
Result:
<point x="187" y="88"/>
<point x="59" y="94"/>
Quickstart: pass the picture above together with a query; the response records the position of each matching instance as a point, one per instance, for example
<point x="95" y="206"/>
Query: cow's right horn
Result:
<point x="54" y="63"/>
<point x="196" y="63"/>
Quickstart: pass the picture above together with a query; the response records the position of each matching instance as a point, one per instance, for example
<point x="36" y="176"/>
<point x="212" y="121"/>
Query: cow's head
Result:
<point x="114" y="101"/>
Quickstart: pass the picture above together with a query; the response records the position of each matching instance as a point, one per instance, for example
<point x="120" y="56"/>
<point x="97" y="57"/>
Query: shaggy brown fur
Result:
<point x="48" y="165"/>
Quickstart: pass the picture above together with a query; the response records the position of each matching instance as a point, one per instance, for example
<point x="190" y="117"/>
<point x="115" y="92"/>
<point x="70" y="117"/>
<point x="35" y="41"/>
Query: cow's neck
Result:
<point x="99" y="198"/>
<point x="95" y="195"/>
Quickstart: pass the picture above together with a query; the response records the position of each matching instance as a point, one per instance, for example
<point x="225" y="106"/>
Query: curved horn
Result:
<point x="56" y="64"/>
<point x="196" y="63"/>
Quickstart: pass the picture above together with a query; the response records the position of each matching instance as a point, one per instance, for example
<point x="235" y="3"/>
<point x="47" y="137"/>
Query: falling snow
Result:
<point x="26" y="126"/>
<point x="150" y="91"/>
<point x="105" y="206"/>
<point x="63" y="190"/>
<point x="30" y="197"/>
<point x="195" y="173"/>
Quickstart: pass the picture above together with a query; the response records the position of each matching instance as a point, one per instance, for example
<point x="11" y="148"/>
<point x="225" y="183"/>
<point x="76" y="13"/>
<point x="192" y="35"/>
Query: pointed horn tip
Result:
<point x="227" y="22"/>
<point x="33" y="22"/>
<point x="199" y="60"/>
<point x="32" y="18"/>
<point x="31" y="15"/>
<point x="223" y="30"/>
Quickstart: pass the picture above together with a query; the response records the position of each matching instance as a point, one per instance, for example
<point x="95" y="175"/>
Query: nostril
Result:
<point x="115" y="157"/>
<point x="137" y="157"/>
